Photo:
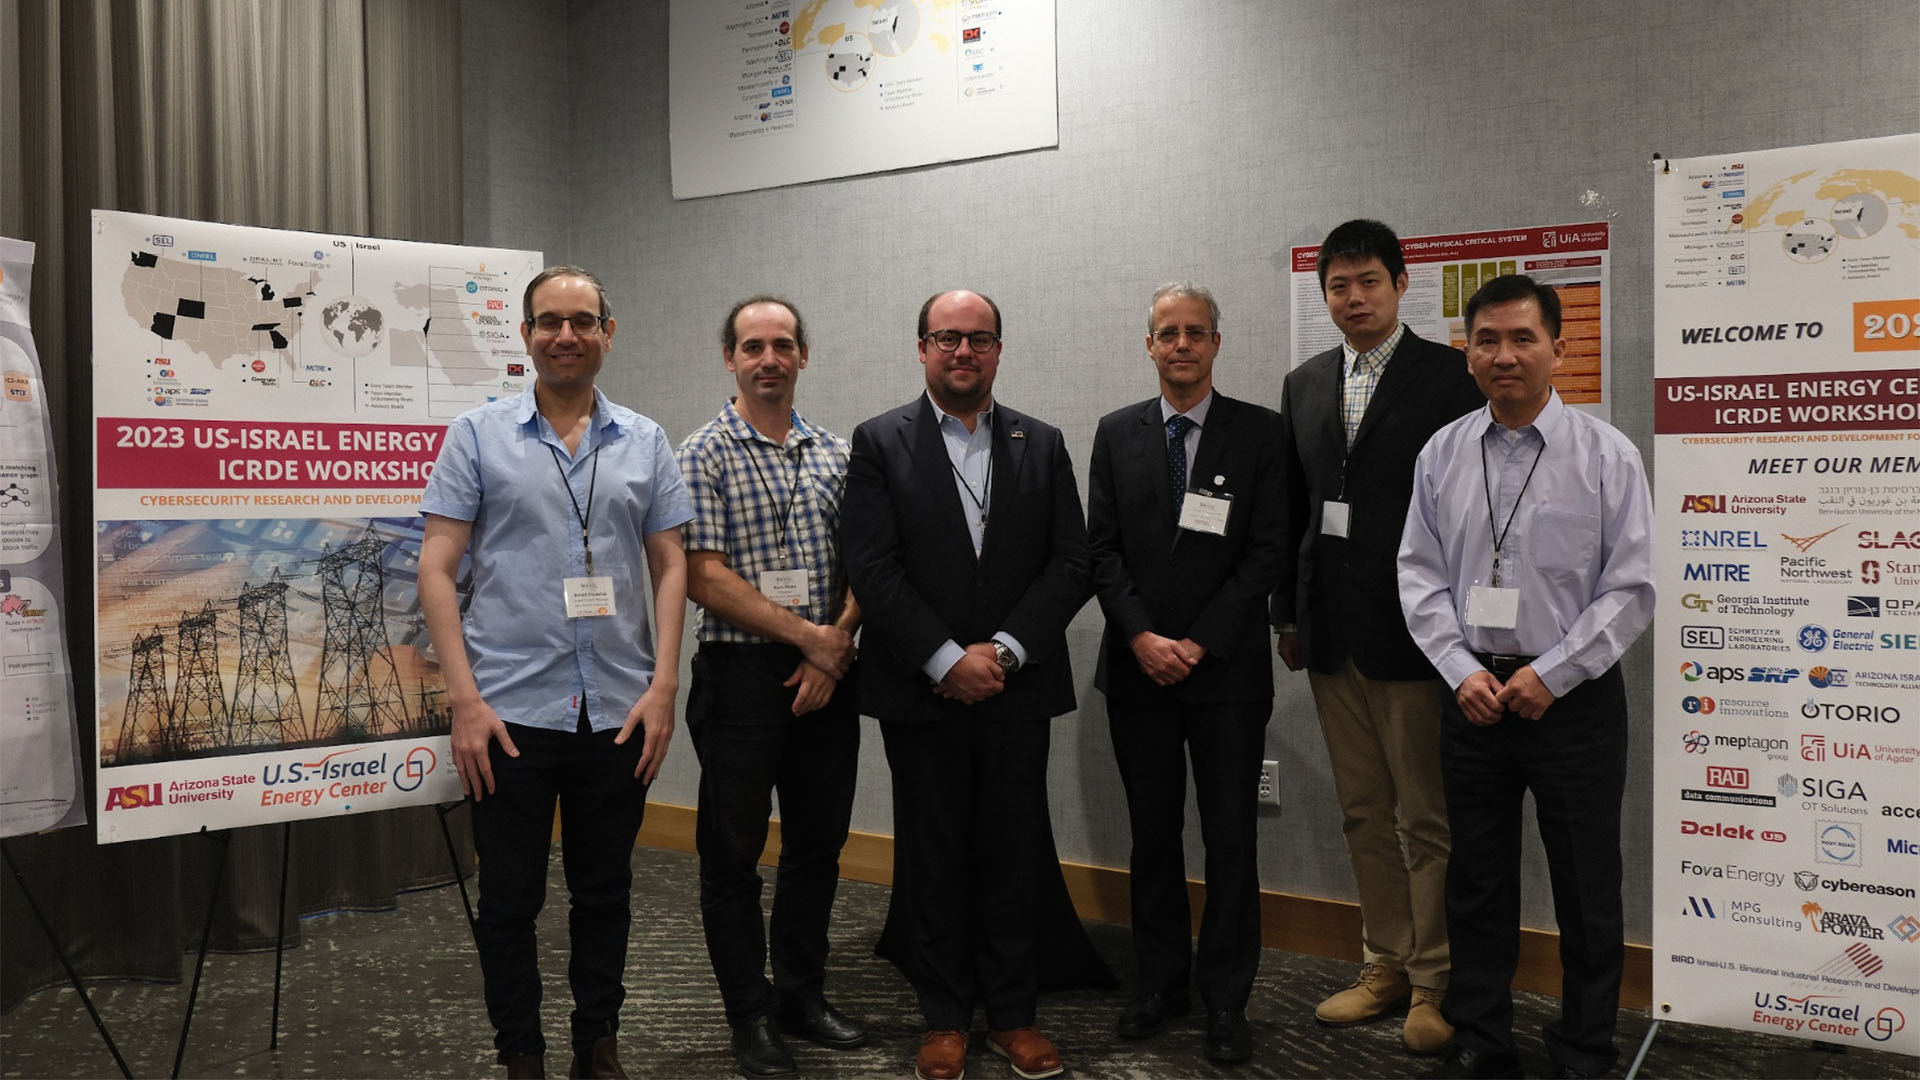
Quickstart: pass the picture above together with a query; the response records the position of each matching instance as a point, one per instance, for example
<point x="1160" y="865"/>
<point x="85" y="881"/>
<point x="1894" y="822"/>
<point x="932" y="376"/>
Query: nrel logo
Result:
<point x="1703" y="504"/>
<point x="1863" y="607"/>
<point x="1701" y="705"/>
<point x="1696" y="742"/>
<point x="134" y="796"/>
<point x="1812" y="637"/>
<point x="1728" y="776"/>
<point x="1838" y="842"/>
<point x="1703" y="637"/>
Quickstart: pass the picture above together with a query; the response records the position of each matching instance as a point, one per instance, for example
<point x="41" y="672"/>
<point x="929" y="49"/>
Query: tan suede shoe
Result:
<point x="1426" y="1030"/>
<point x="1375" y="992"/>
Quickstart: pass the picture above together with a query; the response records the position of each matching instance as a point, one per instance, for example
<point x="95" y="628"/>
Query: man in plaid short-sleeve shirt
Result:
<point x="771" y="706"/>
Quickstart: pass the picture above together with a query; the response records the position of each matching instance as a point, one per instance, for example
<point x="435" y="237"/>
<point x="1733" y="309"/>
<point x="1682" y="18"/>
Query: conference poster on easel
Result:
<point x="268" y="406"/>
<point x="1787" y="635"/>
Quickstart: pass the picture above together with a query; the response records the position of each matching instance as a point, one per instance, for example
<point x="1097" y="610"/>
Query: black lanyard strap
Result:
<point x="793" y="493"/>
<point x="583" y="518"/>
<point x="1486" y="484"/>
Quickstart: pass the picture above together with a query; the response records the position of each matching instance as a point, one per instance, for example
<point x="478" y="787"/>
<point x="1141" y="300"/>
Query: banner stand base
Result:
<point x="65" y="964"/>
<point x="225" y="838"/>
<point x="1645" y="1045"/>
<point x="473" y="926"/>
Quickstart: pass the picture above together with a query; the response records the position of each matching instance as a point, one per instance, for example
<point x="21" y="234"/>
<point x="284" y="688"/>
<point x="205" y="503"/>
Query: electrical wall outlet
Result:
<point x="1270" y="782"/>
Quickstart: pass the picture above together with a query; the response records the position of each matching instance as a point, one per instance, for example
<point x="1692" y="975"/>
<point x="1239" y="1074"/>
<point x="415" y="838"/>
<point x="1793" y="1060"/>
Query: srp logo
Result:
<point x="414" y="769"/>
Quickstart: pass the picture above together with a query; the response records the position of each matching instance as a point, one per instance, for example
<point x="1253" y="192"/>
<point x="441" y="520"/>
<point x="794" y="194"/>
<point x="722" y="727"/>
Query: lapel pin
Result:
<point x="1016" y="433"/>
<point x="1218" y="480"/>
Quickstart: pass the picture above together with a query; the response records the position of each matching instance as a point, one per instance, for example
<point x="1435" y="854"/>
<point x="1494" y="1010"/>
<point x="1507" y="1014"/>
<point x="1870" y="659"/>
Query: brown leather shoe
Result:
<point x="1376" y="991"/>
<point x="526" y="1067"/>
<point x="943" y="1056"/>
<point x="1032" y="1054"/>
<point x="1426" y="1030"/>
<point x="603" y="1060"/>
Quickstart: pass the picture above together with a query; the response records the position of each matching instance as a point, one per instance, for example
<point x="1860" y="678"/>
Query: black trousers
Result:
<point x="600" y="809"/>
<point x="1225" y="741"/>
<point x="1574" y="760"/>
<point x="750" y="745"/>
<point x="969" y="801"/>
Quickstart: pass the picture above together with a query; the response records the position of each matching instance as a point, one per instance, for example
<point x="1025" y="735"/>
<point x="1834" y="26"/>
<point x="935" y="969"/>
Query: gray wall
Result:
<point x="1197" y="140"/>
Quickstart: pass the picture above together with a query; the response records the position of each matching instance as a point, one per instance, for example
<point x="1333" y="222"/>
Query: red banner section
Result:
<point x="1491" y="244"/>
<point x="1882" y="400"/>
<point x="257" y="454"/>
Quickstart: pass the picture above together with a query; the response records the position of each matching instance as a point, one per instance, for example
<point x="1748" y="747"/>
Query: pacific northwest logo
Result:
<point x="1805" y="543"/>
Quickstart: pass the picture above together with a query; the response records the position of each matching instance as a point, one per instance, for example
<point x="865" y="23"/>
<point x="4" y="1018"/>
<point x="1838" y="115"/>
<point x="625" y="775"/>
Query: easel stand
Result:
<point x="65" y="964"/>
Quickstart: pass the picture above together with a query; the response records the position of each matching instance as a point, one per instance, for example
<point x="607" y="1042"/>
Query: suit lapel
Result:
<point x="929" y="455"/>
<point x="1009" y="450"/>
<point x="1213" y="441"/>
<point x="1147" y="455"/>
<point x="1394" y="381"/>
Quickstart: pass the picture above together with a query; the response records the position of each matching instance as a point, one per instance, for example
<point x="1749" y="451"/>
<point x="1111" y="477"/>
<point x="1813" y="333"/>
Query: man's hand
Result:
<point x="816" y="688"/>
<point x="1479" y="698"/>
<point x="1162" y="659"/>
<point x="829" y="649"/>
<point x="653" y="713"/>
<point x="475" y="725"/>
<point x="1289" y="649"/>
<point x="975" y="677"/>
<point x="1526" y="694"/>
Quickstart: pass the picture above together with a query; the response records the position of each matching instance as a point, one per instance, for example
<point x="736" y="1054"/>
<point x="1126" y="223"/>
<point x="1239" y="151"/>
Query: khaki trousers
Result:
<point x="1383" y="737"/>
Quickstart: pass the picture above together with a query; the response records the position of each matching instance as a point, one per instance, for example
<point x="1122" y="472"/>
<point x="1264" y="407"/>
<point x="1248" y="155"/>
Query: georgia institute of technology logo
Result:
<point x="414" y="769"/>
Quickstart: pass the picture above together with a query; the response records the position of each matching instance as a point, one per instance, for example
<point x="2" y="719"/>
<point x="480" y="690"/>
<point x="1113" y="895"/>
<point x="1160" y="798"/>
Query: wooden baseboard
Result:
<point x="1302" y="924"/>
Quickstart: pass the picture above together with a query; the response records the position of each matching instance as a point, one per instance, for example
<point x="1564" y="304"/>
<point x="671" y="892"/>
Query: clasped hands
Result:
<point x="1484" y="699"/>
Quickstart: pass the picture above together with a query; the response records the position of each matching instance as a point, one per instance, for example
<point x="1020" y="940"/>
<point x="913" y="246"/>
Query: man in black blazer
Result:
<point x="1184" y="516"/>
<point x="965" y="545"/>
<point x="1352" y="421"/>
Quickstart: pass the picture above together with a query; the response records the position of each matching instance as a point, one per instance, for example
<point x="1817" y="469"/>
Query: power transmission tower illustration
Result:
<point x="360" y="693"/>
<point x="146" y="715"/>
<point x="266" y="702"/>
<point x="198" y="719"/>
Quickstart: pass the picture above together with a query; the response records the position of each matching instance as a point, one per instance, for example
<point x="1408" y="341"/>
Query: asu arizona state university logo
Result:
<point x="134" y="796"/>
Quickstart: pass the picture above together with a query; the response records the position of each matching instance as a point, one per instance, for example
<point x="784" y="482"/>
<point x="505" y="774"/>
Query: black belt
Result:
<point x="1502" y="665"/>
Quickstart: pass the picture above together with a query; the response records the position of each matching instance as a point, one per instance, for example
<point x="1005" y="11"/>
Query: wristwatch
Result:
<point x="1002" y="655"/>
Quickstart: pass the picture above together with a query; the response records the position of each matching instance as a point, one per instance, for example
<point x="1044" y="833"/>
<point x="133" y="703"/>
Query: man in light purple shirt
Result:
<point x="1526" y="570"/>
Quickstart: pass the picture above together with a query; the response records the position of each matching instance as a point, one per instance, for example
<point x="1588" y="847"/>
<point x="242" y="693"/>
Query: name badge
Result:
<point x="1494" y="609"/>
<point x="588" y="597"/>
<point x="788" y="588"/>
<point x="1200" y="512"/>
<point x="1333" y="518"/>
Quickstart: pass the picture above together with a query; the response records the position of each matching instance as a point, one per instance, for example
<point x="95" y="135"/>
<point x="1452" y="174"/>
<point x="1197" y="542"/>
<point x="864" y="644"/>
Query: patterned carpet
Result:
<point x="398" y="994"/>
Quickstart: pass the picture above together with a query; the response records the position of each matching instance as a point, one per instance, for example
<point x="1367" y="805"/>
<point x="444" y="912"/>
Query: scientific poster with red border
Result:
<point x="1786" y="842"/>
<point x="268" y="406"/>
<point x="1445" y="270"/>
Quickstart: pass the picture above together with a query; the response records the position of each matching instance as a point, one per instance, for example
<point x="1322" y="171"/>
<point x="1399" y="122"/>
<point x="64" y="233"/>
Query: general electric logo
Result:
<point x="1812" y="637"/>
<point x="1696" y="743"/>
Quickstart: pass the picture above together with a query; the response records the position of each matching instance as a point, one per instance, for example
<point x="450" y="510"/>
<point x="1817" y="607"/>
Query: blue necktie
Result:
<point x="1177" y="429"/>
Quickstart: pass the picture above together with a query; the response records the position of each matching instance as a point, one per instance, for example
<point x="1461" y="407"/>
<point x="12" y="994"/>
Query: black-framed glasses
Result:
<point x="583" y="323"/>
<point x="1170" y="335"/>
<point x="949" y="340"/>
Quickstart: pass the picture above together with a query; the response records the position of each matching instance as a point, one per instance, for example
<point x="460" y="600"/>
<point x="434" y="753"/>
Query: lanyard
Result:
<point x="1500" y="538"/>
<point x="793" y="496"/>
<point x="979" y="502"/>
<point x="592" y="478"/>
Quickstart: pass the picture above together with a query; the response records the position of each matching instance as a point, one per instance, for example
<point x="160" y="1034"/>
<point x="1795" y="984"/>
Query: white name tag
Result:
<point x="1205" y="513"/>
<point x="788" y="588"/>
<point x="1333" y="518"/>
<point x="1494" y="609"/>
<point x="588" y="597"/>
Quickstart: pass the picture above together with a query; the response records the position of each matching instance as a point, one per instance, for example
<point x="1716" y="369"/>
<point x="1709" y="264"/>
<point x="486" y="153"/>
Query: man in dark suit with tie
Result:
<point x="1352" y="421"/>
<point x="965" y="545"/>
<point x="1184" y="516"/>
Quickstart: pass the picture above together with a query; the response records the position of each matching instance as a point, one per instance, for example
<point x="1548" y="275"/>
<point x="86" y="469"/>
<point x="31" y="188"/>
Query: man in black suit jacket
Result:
<point x="965" y="545"/>
<point x="1184" y="516"/>
<point x="1352" y="421"/>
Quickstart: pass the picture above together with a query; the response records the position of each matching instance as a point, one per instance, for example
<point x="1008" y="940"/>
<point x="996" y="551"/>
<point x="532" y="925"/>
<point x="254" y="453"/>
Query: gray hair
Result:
<point x="1184" y="288"/>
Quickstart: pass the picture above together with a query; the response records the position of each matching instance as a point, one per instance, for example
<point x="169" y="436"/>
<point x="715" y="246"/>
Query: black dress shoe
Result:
<point x="760" y="1051"/>
<point x="819" y="1022"/>
<point x="1477" y="1064"/>
<point x="1229" y="1036"/>
<point x="1147" y="1016"/>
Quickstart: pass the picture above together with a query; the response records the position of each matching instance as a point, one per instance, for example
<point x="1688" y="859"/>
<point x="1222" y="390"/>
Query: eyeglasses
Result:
<point x="1170" y="335"/>
<point x="583" y="323"/>
<point x="949" y="340"/>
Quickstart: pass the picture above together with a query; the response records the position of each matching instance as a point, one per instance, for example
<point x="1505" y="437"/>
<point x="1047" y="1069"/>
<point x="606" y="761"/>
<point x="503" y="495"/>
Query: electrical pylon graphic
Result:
<point x="266" y="702"/>
<point x="198" y="719"/>
<point x="360" y="693"/>
<point x="146" y="715"/>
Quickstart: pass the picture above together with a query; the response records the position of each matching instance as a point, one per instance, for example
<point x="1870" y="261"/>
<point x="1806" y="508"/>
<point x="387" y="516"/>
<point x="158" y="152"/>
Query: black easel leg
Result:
<point x="72" y="976"/>
<point x="458" y="877"/>
<point x="280" y="942"/>
<point x="206" y="931"/>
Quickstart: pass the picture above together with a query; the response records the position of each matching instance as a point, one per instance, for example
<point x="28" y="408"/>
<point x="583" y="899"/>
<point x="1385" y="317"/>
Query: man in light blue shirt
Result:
<point x="1526" y="570"/>
<point x="557" y="498"/>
